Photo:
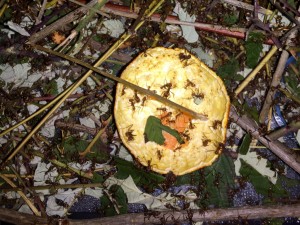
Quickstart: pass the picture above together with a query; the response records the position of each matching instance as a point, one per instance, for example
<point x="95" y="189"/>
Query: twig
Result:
<point x="57" y="24"/>
<point x="38" y="19"/>
<point x="285" y="154"/>
<point x="274" y="84"/>
<point x="54" y="187"/>
<point x="248" y="6"/>
<point x="28" y="202"/>
<point x="75" y="127"/>
<point x="291" y="127"/>
<point x="276" y="79"/>
<point x="95" y="139"/>
<point x="252" y="75"/>
<point x="126" y="83"/>
<point x="65" y="166"/>
<point x="249" y="212"/>
<point x="290" y="95"/>
<point x="90" y="8"/>
<point x="152" y="8"/>
<point x="226" y="31"/>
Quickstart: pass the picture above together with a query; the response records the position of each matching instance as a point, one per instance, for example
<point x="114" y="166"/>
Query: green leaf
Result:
<point x="251" y="111"/>
<point x="97" y="178"/>
<point x="261" y="183"/>
<point x="120" y="198"/>
<point x="228" y="71"/>
<point x="230" y="19"/>
<point x="51" y="87"/>
<point x="141" y="177"/>
<point x="220" y="178"/>
<point x="254" y="46"/>
<point x="243" y="149"/>
<point x="154" y="128"/>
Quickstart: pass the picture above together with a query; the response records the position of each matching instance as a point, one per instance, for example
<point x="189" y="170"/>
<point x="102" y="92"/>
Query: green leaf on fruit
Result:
<point x="154" y="128"/>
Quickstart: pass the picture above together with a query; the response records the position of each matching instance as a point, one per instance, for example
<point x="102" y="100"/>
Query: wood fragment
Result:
<point x="241" y="213"/>
<point x="287" y="155"/>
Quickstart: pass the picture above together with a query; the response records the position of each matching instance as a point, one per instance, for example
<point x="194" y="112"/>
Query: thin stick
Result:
<point x="65" y="166"/>
<point x="126" y="83"/>
<point x="59" y="23"/>
<point x="37" y="112"/>
<point x="38" y="20"/>
<point x="168" y="217"/>
<point x="226" y="31"/>
<point x="248" y="6"/>
<point x="291" y="127"/>
<point x="252" y="75"/>
<point x="28" y="202"/>
<point x="285" y="154"/>
<point x="275" y="82"/>
<point x="117" y="44"/>
<point x="54" y="187"/>
<point x="91" y="144"/>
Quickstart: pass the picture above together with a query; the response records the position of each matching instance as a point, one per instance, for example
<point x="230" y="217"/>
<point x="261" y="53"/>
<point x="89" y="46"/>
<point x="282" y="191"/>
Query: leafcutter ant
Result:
<point x="123" y="91"/>
<point x="144" y="100"/>
<point x="167" y="87"/>
<point x="129" y="135"/>
<point x="220" y="148"/>
<point x="189" y="84"/>
<point x="186" y="136"/>
<point x="191" y="125"/>
<point x="216" y="124"/>
<point x="136" y="97"/>
<point x="205" y="142"/>
<point x="132" y="102"/>
<point x="198" y="94"/>
<point x="159" y="155"/>
<point x="184" y="58"/>
<point x="217" y="179"/>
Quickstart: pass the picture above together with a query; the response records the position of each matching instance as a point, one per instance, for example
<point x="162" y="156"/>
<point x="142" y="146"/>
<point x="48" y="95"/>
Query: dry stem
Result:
<point x="285" y="154"/>
<point x="241" y="213"/>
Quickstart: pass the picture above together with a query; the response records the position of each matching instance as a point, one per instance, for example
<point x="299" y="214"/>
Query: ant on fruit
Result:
<point x="128" y="134"/>
<point x="184" y="58"/>
<point x="144" y="100"/>
<point x="167" y="87"/>
<point x="206" y="142"/>
<point x="189" y="84"/>
<point x="132" y="102"/>
<point x="216" y="124"/>
<point x="159" y="155"/>
<point x="136" y="97"/>
<point x="123" y="91"/>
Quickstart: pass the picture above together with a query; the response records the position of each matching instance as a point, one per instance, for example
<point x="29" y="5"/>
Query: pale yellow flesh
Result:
<point x="189" y="77"/>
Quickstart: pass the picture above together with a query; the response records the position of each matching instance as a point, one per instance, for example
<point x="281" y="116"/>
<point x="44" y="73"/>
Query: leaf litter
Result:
<point x="30" y="78"/>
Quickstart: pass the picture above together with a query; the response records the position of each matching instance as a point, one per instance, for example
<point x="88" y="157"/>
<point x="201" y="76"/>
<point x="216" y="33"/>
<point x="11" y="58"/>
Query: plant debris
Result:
<point x="58" y="136"/>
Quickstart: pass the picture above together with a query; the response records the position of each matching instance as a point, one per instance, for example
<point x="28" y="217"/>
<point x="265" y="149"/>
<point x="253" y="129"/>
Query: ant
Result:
<point x="217" y="179"/>
<point x="198" y="95"/>
<point x="187" y="136"/>
<point x="216" y="124"/>
<point x="162" y="109"/>
<point x="128" y="134"/>
<point x="191" y="125"/>
<point x="132" y="102"/>
<point x="184" y="57"/>
<point x="220" y="148"/>
<point x="136" y="97"/>
<point x="144" y="100"/>
<point x="123" y="91"/>
<point x="206" y="142"/>
<point x="167" y="87"/>
<point x="189" y="84"/>
<point x="159" y="155"/>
